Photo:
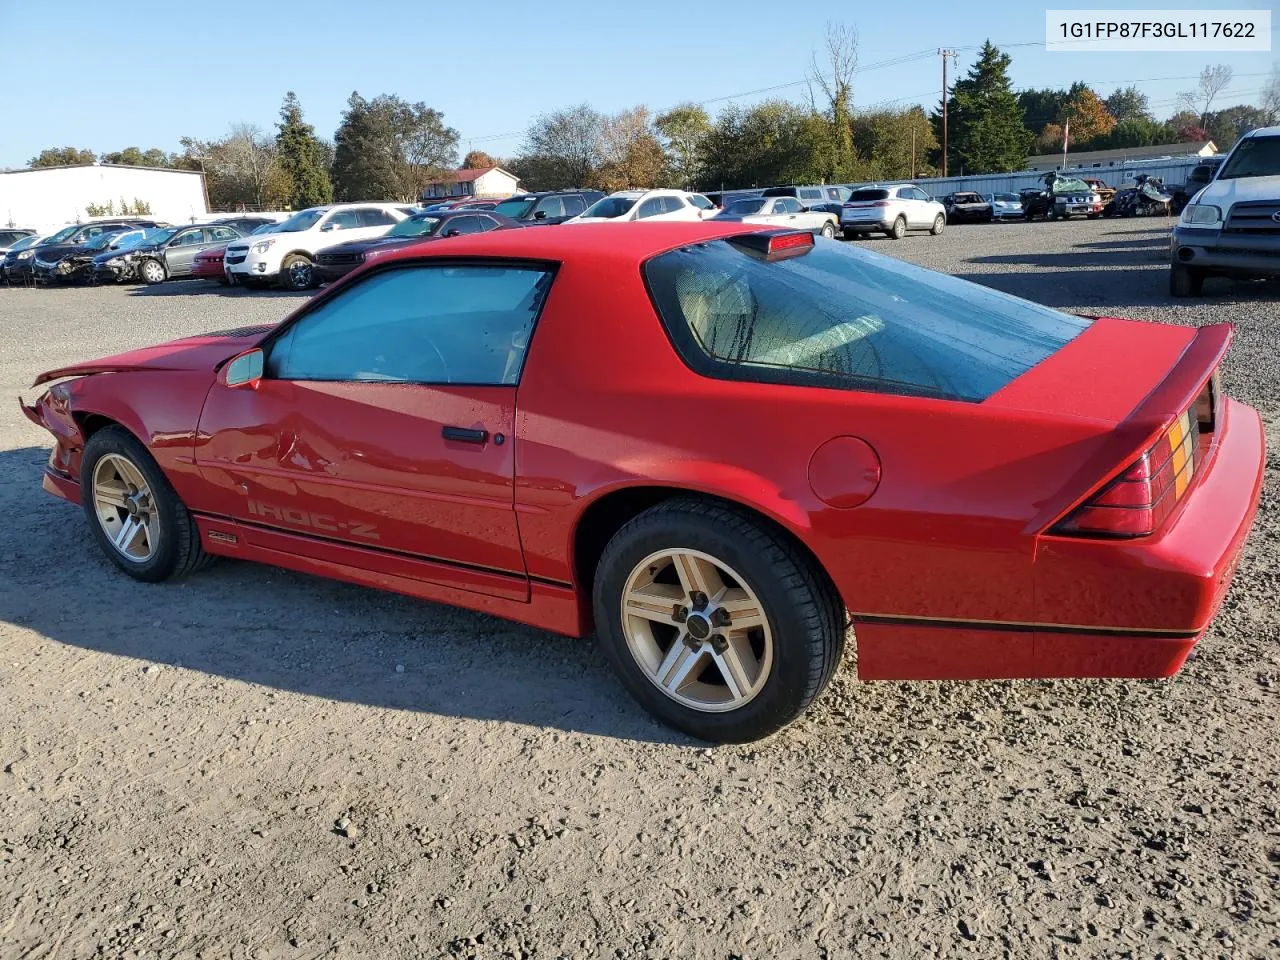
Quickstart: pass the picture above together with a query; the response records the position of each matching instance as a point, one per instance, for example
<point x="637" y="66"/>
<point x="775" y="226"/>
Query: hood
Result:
<point x="56" y="252"/>
<point x="1224" y="193"/>
<point x="207" y="352"/>
<point x="112" y="254"/>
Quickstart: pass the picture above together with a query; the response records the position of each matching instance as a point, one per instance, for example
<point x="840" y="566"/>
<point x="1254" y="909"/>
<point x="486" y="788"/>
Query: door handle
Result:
<point x="464" y="435"/>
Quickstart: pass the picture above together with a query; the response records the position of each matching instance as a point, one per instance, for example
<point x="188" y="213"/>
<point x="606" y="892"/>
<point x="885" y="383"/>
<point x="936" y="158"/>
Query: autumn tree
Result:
<point x="478" y="160"/>
<point x="1042" y="107"/>
<point x="1213" y="80"/>
<point x="684" y="130"/>
<point x="630" y="153"/>
<point x="61" y="157"/>
<point x="1051" y="138"/>
<point x="1088" y="116"/>
<point x="562" y="149"/>
<point x="986" y="124"/>
<point x="301" y="157"/>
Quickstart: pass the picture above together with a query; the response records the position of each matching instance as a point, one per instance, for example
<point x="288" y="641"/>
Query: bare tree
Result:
<point x="562" y="149"/>
<point x="833" y="78"/>
<point x="250" y="156"/>
<point x="1213" y="80"/>
<point x="1270" y="101"/>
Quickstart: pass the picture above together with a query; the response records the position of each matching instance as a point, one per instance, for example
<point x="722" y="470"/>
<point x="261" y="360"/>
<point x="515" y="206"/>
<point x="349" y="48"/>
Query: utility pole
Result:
<point x="913" y="153"/>
<point x="944" y="54"/>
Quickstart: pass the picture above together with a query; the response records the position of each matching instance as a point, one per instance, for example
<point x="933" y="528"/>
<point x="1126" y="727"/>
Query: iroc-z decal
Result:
<point x="320" y="522"/>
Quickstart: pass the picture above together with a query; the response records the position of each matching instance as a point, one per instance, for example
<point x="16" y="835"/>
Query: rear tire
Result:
<point x="939" y="223"/>
<point x="898" y="230"/>
<point x="790" y="654"/>
<point x="166" y="543"/>
<point x="1185" y="281"/>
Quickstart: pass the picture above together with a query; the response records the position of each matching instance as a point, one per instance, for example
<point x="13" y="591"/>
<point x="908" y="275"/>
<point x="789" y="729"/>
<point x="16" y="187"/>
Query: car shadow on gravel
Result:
<point x="271" y="627"/>
<point x="1079" y="289"/>
<point x="184" y="288"/>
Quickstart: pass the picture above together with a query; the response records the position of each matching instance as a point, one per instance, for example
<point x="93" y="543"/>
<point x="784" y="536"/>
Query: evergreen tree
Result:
<point x="301" y="157"/>
<point x="986" y="132"/>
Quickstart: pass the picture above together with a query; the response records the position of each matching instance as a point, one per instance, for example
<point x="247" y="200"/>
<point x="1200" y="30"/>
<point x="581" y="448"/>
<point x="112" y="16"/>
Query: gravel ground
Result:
<point x="237" y="766"/>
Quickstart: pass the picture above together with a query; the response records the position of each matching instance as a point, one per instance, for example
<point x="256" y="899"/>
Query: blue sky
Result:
<point x="192" y="69"/>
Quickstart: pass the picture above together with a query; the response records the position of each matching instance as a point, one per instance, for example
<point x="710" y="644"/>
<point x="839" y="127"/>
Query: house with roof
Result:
<point x="481" y="182"/>
<point x="1121" y="156"/>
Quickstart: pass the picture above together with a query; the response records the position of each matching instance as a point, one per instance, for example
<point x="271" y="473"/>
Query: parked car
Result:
<point x="117" y="265"/>
<point x="964" y="206"/>
<point x="891" y="209"/>
<point x="811" y="194"/>
<point x="8" y="237"/>
<point x="1232" y="229"/>
<point x="452" y="424"/>
<point x="1061" y="198"/>
<point x="75" y="265"/>
<point x="1005" y="206"/>
<point x="21" y="250"/>
<point x="779" y="212"/>
<point x="626" y="206"/>
<point x="175" y="255"/>
<point x="339" y="260"/>
<point x="57" y="245"/>
<point x="1104" y="190"/>
<point x="287" y="255"/>
<point x="1146" y="198"/>
<point x="210" y="263"/>
<point x="1196" y="181"/>
<point x="722" y="198"/>
<point x="244" y="224"/>
<point x="551" y="207"/>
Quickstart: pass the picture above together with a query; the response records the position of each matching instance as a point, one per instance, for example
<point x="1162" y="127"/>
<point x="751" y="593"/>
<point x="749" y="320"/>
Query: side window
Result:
<point x="485" y="223"/>
<point x="673" y="204"/>
<point x="188" y="238"/>
<point x="552" y="207"/>
<point x="574" y="206"/>
<point x="791" y="205"/>
<point x="373" y="217"/>
<point x="344" y="220"/>
<point x="810" y="194"/>
<point x="463" y="225"/>
<point x="88" y="233"/>
<point x="905" y="193"/>
<point x="651" y="208"/>
<point x="224" y="233"/>
<point x="920" y="194"/>
<point x="422" y="324"/>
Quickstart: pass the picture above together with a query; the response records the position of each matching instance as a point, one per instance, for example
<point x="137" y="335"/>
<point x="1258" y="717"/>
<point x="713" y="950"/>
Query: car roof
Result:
<point x="587" y="242"/>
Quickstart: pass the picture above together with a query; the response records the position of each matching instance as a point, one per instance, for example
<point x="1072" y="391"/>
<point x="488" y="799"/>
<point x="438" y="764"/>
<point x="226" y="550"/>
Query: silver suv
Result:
<point x="891" y="209"/>
<point x="1231" y="228"/>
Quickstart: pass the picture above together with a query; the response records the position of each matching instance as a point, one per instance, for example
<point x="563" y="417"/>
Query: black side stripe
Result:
<point x="1001" y="627"/>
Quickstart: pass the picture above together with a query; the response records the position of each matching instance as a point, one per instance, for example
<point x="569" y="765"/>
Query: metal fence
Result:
<point x="1172" y="170"/>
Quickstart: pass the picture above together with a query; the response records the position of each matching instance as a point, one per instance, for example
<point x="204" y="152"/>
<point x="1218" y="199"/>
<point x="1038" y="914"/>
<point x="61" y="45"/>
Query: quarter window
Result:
<point x="574" y="206"/>
<point x="551" y="207"/>
<point x="437" y="324"/>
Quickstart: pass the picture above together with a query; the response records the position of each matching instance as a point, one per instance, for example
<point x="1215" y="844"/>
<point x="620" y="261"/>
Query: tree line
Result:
<point x="388" y="148"/>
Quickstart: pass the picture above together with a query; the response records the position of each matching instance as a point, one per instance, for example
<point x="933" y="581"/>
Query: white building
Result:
<point x="46" y="198"/>
<point x="485" y="182"/>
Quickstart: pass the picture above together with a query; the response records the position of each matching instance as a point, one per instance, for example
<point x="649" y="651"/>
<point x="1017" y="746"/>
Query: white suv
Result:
<point x="285" y="255"/>
<point x="628" y="205"/>
<point x="891" y="209"/>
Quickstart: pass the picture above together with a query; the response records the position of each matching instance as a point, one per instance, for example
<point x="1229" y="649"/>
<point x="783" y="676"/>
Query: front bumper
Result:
<point x="329" y="272"/>
<point x="1231" y="254"/>
<point x="1107" y="608"/>
<point x="253" y="265"/>
<point x="18" y="270"/>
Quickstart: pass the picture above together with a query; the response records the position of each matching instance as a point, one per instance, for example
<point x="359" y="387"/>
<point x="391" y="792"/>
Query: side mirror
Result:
<point x="540" y="215"/>
<point x="331" y="225"/>
<point x="245" y="370"/>
<point x="450" y="232"/>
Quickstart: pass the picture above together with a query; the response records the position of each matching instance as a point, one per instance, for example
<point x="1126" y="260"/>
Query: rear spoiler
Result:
<point x="1145" y="423"/>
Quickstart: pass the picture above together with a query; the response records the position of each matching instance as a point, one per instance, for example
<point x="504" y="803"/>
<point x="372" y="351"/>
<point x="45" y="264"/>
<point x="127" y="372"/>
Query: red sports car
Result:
<point x="715" y="446"/>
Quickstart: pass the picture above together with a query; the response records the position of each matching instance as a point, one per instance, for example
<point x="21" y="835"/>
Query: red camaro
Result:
<point x="713" y="445"/>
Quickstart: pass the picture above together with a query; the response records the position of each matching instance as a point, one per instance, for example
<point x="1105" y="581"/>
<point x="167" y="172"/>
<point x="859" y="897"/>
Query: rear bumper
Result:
<point x="1117" y="608"/>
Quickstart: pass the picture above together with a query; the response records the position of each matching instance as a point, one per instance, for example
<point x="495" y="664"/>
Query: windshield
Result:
<point x="744" y="208"/>
<point x="415" y="227"/>
<point x="1254" y="157"/>
<point x="265" y="228"/>
<point x="968" y="198"/>
<point x="61" y="235"/>
<point x="138" y="239"/>
<point x="1008" y="198"/>
<point x="158" y="237"/>
<point x="25" y="242"/>
<point x="839" y="317"/>
<point x="611" y="207"/>
<point x="302" y="220"/>
<point x="516" y="207"/>
<point x="101" y="241"/>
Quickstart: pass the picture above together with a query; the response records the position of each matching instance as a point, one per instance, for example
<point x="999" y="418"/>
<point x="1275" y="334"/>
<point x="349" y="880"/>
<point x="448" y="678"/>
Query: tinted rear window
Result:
<point x="859" y="196"/>
<point x="848" y="318"/>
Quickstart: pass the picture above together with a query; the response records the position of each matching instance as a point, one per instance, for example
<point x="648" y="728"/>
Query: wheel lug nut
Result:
<point x="719" y="643"/>
<point x="692" y="642"/>
<point x="681" y="613"/>
<point x="720" y="618"/>
<point x="699" y="600"/>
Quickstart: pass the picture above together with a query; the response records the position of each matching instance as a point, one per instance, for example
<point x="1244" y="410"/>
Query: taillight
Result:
<point x="1137" y="503"/>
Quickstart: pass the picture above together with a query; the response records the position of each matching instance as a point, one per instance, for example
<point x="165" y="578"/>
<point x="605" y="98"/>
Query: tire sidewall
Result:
<point x="782" y="697"/>
<point x="286" y="272"/>
<point x="118" y="441"/>
<point x="828" y="231"/>
<point x="939" y="224"/>
<point x="899" y="228"/>
<point x="142" y="271"/>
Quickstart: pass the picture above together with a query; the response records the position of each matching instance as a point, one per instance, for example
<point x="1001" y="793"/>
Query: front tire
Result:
<point x="134" y="513"/>
<point x="898" y="230"/>
<point x="1185" y="281"/>
<point x="297" y="273"/>
<point x="828" y="230"/>
<point x="151" y="272"/>
<point x="715" y="624"/>
<point x="939" y="223"/>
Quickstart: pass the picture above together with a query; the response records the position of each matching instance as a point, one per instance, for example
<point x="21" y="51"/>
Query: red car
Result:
<point x="208" y="264"/>
<point x="714" y="446"/>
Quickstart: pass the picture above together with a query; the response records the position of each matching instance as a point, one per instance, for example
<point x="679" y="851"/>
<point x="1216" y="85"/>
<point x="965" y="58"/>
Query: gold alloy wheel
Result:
<point x="697" y="630"/>
<point x="125" y="509"/>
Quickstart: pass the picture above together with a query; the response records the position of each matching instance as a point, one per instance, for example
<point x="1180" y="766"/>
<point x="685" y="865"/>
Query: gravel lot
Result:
<point x="175" y="758"/>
